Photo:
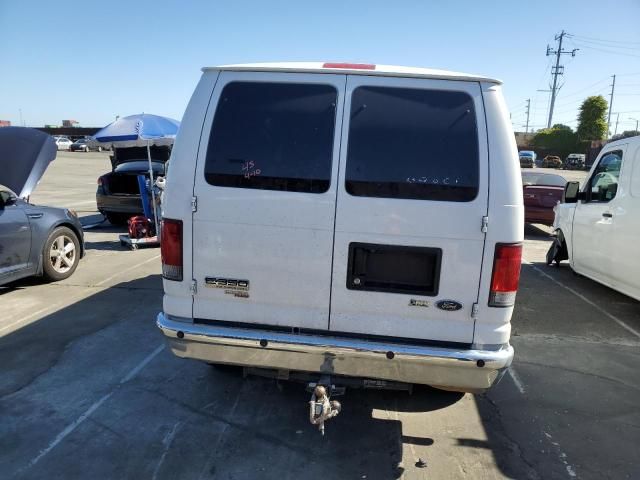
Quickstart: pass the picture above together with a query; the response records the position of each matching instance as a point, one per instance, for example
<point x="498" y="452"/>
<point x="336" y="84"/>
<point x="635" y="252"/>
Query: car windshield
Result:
<point x="82" y="140"/>
<point x="546" y="179"/>
<point x="526" y="154"/>
<point x="140" y="166"/>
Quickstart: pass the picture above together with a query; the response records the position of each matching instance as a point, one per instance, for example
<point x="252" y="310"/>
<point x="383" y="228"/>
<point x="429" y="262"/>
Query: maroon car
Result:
<point x="541" y="193"/>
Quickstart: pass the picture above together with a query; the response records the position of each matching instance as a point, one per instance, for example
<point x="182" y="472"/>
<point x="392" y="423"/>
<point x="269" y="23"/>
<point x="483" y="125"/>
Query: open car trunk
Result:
<point x="126" y="182"/>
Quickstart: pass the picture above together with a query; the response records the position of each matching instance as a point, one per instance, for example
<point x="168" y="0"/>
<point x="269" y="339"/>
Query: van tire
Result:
<point x="558" y="250"/>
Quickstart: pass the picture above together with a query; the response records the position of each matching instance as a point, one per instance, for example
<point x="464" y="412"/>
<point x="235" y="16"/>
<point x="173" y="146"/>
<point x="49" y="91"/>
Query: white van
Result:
<point x="598" y="226"/>
<point x="348" y="220"/>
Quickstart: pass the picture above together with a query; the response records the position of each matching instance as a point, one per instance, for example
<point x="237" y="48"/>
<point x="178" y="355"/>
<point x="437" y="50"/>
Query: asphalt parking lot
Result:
<point x="88" y="390"/>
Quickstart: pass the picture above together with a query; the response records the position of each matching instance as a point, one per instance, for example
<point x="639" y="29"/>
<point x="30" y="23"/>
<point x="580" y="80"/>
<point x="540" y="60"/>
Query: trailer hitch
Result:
<point x="321" y="408"/>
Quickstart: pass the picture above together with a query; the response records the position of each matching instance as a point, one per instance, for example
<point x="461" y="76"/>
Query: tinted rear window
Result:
<point x="415" y="144"/>
<point x="273" y="136"/>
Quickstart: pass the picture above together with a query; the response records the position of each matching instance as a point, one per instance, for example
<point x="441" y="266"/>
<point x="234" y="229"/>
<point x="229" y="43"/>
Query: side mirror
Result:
<point x="571" y="192"/>
<point x="6" y="199"/>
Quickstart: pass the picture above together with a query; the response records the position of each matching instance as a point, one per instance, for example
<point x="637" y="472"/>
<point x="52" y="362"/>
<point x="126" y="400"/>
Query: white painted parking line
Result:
<point x="563" y="456"/>
<point x="166" y="441"/>
<point x="73" y="425"/>
<point x="516" y="380"/>
<point x="70" y="300"/>
<point x="585" y="299"/>
<point x="137" y="265"/>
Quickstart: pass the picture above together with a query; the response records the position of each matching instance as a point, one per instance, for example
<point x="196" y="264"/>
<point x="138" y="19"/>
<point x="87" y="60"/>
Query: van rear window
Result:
<point x="273" y="136"/>
<point x="414" y="144"/>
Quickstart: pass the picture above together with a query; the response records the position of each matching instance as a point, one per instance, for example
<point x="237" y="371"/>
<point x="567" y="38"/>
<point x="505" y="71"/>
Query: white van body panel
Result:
<point x="602" y="237"/>
<point x="292" y="247"/>
<point x="506" y="213"/>
<point x="379" y="70"/>
<point x="178" y="191"/>
<point x="281" y="242"/>
<point x="453" y="227"/>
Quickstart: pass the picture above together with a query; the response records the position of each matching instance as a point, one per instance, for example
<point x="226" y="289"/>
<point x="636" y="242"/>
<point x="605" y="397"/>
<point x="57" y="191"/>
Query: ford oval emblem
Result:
<point x="449" y="305"/>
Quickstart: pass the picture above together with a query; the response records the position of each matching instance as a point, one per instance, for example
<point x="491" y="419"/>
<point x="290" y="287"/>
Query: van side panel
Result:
<point x="506" y="212"/>
<point x="177" y="300"/>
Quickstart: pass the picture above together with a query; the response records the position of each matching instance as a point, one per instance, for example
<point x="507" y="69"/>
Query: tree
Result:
<point x="558" y="140"/>
<point x="625" y="134"/>
<point x="592" y="121"/>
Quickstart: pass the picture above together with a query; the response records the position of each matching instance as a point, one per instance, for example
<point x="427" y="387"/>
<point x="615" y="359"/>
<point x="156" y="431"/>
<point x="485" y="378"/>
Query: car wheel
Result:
<point x="117" y="218"/>
<point x="99" y="149"/>
<point x="61" y="254"/>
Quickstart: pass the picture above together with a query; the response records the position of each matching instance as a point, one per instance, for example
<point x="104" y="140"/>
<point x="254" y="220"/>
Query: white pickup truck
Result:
<point x="598" y="225"/>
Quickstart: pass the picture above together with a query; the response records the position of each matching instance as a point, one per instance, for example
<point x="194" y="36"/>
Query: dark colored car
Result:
<point x="34" y="240"/>
<point x="118" y="194"/>
<point x="84" y="145"/>
<point x="541" y="191"/>
<point x="551" y="161"/>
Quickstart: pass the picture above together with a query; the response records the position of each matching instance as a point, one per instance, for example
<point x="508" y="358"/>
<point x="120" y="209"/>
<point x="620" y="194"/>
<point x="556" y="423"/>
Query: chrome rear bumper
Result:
<point x="452" y="369"/>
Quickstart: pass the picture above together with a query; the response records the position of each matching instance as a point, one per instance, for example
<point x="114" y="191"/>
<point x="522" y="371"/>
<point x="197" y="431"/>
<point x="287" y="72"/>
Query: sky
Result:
<point x="91" y="61"/>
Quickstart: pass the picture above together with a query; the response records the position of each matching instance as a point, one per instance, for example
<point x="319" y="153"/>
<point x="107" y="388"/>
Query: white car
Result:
<point x="63" y="143"/>
<point x="344" y="220"/>
<point x="598" y="226"/>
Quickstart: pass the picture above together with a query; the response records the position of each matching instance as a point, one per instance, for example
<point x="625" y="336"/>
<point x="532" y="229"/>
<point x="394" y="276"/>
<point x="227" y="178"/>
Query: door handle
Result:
<point x="607" y="215"/>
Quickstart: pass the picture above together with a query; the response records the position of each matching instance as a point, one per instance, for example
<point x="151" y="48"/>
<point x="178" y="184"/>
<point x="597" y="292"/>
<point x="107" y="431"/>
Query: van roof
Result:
<point x="353" y="69"/>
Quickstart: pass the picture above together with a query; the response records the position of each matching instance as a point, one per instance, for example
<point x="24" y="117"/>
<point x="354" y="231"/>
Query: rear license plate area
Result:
<point x="394" y="269"/>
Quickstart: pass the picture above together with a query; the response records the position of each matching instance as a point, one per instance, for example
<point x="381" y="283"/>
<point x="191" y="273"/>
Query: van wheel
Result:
<point x="61" y="254"/>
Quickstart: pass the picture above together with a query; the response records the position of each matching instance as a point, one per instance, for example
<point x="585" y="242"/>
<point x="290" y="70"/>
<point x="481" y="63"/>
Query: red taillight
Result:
<point x="351" y="66"/>
<point x="506" y="275"/>
<point x="171" y="249"/>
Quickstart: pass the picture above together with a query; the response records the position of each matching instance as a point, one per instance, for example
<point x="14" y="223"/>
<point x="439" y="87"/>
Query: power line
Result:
<point x="579" y="91"/>
<point x="594" y="39"/>
<point x="604" y="45"/>
<point x="582" y="45"/>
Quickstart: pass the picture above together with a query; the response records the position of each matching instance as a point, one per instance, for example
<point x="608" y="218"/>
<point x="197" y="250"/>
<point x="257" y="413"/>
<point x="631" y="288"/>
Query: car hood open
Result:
<point x="25" y="154"/>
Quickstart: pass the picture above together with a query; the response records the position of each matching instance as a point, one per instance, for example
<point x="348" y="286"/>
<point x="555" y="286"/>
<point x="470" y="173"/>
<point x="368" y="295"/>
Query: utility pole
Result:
<point x="557" y="70"/>
<point x="636" y="130"/>
<point x="617" y="120"/>
<point x="526" y="130"/>
<point x="613" y="86"/>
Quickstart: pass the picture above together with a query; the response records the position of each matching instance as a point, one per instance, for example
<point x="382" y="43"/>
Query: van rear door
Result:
<point x="412" y="196"/>
<point x="265" y="186"/>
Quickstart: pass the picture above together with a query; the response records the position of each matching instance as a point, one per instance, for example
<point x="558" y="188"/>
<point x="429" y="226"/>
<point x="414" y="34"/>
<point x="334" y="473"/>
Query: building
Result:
<point x="70" y="123"/>
<point x="5" y="123"/>
<point x="523" y="140"/>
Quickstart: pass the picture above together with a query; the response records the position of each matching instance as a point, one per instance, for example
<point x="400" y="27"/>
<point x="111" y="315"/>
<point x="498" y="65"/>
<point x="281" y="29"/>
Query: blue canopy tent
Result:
<point x="142" y="130"/>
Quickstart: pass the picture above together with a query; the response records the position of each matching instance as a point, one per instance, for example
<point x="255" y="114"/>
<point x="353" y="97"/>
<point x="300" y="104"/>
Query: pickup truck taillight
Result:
<point x="171" y="249"/>
<point x="506" y="275"/>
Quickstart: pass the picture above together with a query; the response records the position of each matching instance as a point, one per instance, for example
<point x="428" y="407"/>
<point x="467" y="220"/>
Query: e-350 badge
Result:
<point x="419" y="303"/>
<point x="231" y="286"/>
